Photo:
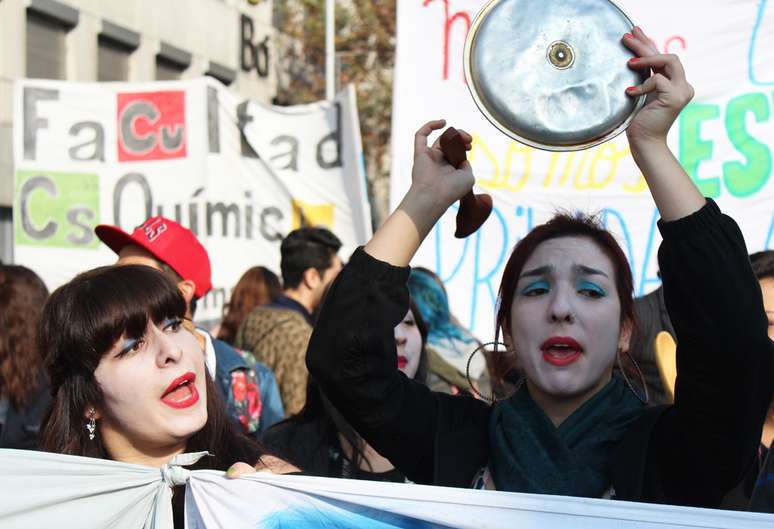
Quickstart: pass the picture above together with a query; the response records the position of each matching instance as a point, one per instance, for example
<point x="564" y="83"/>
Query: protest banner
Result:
<point x="239" y="174"/>
<point x="724" y="139"/>
<point x="85" y="493"/>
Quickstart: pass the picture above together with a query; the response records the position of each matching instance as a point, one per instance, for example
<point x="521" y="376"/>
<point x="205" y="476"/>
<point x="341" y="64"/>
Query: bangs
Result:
<point x="99" y="306"/>
<point x="121" y="299"/>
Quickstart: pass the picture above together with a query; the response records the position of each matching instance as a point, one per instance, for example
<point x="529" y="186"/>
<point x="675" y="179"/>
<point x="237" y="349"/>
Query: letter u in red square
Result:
<point x="151" y="126"/>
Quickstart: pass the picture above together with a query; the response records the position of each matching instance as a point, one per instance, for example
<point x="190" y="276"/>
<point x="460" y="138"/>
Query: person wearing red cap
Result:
<point x="248" y="387"/>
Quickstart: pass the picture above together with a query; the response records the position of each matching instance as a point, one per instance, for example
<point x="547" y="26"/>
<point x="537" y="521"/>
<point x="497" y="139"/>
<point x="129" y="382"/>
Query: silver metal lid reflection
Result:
<point x="552" y="74"/>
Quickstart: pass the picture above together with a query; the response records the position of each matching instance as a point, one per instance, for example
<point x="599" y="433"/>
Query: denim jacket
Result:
<point x="248" y="387"/>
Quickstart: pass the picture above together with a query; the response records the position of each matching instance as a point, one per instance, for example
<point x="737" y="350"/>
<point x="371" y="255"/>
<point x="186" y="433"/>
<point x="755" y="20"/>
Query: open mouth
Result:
<point x="402" y="361"/>
<point x="181" y="392"/>
<point x="561" y="351"/>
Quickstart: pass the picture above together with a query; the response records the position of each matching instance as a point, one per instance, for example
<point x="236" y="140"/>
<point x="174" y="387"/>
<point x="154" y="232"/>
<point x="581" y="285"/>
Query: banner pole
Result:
<point x="330" y="50"/>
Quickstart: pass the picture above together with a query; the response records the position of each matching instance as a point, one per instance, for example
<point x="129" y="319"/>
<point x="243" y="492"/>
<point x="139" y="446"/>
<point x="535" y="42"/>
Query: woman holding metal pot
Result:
<point x="565" y="310"/>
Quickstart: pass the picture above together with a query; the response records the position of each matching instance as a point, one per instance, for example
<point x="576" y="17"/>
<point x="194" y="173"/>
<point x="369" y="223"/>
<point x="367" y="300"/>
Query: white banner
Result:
<point x="724" y="139"/>
<point x="241" y="175"/>
<point x="42" y="489"/>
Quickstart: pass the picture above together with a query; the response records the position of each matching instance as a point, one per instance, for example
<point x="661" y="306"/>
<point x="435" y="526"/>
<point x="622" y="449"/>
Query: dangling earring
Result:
<point x="91" y="426"/>
<point x="642" y="398"/>
<point x="492" y="398"/>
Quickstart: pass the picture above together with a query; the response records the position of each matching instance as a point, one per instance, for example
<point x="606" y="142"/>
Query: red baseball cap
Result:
<point x="168" y="242"/>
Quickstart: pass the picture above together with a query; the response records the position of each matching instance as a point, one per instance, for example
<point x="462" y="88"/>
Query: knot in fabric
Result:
<point x="174" y="475"/>
<point x="173" y="472"/>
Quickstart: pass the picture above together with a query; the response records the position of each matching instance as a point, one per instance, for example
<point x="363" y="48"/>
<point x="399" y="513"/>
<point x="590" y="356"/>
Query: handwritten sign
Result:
<point x="240" y="175"/>
<point x="723" y="139"/>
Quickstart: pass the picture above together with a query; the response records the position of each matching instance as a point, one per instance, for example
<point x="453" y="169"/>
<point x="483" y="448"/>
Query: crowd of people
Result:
<point x="361" y="371"/>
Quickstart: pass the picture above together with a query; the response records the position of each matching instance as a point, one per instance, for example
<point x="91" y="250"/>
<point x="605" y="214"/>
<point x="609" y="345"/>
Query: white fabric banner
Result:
<point x="42" y="489"/>
<point x="724" y="139"/>
<point x="241" y="175"/>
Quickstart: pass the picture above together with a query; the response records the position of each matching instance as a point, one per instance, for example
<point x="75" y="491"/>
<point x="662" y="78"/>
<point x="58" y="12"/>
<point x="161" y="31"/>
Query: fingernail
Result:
<point x="634" y="60"/>
<point x="628" y="36"/>
<point x="631" y="88"/>
<point x="231" y="471"/>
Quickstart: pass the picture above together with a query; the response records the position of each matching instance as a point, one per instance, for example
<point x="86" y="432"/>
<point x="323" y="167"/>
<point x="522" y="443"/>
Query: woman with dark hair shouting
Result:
<point x="129" y="381"/>
<point x="565" y="310"/>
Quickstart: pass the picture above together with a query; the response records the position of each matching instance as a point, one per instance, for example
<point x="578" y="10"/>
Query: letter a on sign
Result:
<point x="151" y="126"/>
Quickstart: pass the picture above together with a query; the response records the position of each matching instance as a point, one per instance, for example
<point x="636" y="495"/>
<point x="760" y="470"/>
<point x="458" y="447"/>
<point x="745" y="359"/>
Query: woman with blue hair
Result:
<point x="452" y="363"/>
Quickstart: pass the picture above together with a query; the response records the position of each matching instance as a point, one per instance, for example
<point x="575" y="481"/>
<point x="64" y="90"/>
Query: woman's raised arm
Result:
<point x="668" y="92"/>
<point x="724" y="356"/>
<point x="352" y="353"/>
<point x="435" y="185"/>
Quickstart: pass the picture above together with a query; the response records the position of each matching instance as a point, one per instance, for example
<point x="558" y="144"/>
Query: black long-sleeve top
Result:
<point x="689" y="453"/>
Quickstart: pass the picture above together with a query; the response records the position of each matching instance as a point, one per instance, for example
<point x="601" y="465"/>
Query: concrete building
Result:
<point x="129" y="40"/>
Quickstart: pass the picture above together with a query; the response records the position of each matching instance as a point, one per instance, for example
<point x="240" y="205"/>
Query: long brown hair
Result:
<point x="22" y="295"/>
<point x="258" y="286"/>
<point x="80" y="323"/>
<point x="561" y="225"/>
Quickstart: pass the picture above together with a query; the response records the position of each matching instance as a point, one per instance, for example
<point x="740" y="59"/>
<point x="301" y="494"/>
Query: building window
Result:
<point x="112" y="60"/>
<point x="115" y="46"/>
<point x="6" y="234"/>
<point x="167" y="70"/>
<point x="45" y="47"/>
<point x="171" y="62"/>
<point x="222" y="73"/>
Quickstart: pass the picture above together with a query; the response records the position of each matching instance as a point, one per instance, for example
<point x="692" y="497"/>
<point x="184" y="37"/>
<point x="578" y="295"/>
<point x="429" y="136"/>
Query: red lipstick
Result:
<point x="561" y="351"/>
<point x="181" y="392"/>
<point x="402" y="361"/>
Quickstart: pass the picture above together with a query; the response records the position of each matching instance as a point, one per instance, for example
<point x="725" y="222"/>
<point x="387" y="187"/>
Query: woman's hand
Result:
<point x="435" y="185"/>
<point x="266" y="463"/>
<point x="668" y="92"/>
<point x="432" y="177"/>
<point x="667" y="89"/>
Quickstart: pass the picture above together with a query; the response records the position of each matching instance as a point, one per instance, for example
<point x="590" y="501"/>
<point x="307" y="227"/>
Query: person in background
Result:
<point x="449" y="344"/>
<point x="652" y="318"/>
<point x="248" y="388"/>
<point x="258" y="286"/>
<point x="756" y="491"/>
<point x="278" y="333"/>
<point x="24" y="389"/>
<point x="763" y="267"/>
<point x="320" y="442"/>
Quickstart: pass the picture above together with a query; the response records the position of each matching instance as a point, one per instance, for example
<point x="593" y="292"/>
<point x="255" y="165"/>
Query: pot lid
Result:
<point x="552" y="74"/>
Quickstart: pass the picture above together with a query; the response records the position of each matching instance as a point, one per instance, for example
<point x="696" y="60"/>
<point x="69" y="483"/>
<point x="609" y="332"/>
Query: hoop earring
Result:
<point x="491" y="399"/>
<point x="642" y="398"/>
<point x="91" y="426"/>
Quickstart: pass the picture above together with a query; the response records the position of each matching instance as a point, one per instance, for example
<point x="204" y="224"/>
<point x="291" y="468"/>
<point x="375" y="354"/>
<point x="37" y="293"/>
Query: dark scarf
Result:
<point x="529" y="454"/>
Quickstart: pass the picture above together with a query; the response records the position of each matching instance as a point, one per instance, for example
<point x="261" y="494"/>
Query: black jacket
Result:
<point x="763" y="494"/>
<point x="304" y="444"/>
<point x="690" y="453"/>
<point x="315" y="448"/>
